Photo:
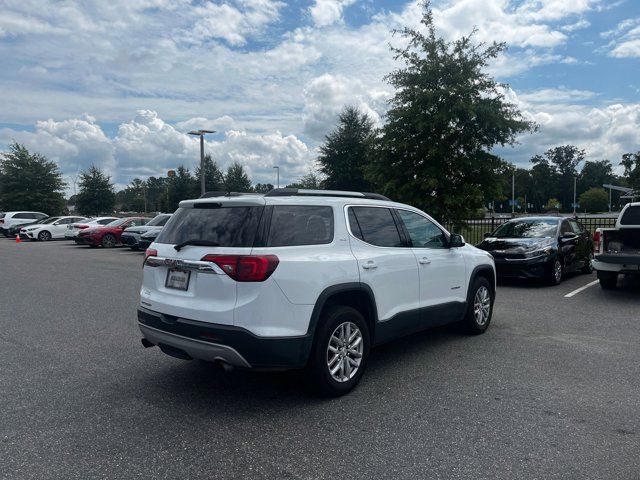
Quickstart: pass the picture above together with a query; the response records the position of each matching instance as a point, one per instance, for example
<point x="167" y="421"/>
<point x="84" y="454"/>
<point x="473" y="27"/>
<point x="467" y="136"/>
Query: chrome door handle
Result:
<point x="424" y="261"/>
<point x="369" y="265"/>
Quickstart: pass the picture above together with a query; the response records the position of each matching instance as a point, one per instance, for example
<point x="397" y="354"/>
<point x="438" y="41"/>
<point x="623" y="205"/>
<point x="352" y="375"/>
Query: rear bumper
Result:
<point x="617" y="263"/>
<point x="233" y="345"/>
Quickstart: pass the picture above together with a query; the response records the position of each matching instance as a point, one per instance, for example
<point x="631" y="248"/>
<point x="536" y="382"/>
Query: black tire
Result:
<point x="554" y="276"/>
<point x="92" y="246"/>
<point x="588" y="268"/>
<point x="472" y="323"/>
<point x="319" y="372"/>
<point x="44" y="236"/>
<point x="608" y="280"/>
<point x="109" y="241"/>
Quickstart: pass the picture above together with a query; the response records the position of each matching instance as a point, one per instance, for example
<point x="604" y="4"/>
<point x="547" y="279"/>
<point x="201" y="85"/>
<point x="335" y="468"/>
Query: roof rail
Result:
<point x="301" y="192"/>
<point x="223" y="194"/>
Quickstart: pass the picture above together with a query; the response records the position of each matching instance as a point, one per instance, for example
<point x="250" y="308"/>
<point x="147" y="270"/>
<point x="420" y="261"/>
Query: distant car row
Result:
<point x="134" y="232"/>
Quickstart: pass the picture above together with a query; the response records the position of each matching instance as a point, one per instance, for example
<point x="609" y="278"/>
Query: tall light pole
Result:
<point x="513" y="194"/>
<point x="201" y="134"/>
<point x="278" y="176"/>
<point x="575" y="183"/>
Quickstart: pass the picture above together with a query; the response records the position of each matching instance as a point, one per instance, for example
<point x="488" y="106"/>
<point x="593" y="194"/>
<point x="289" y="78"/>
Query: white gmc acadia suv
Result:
<point x="305" y="278"/>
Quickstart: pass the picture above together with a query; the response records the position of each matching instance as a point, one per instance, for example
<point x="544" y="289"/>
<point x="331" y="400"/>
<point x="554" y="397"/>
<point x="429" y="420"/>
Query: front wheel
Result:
<point x="340" y="351"/>
<point x="608" y="280"/>
<point x="44" y="236"/>
<point x="108" y="241"/>
<point x="555" y="274"/>
<point x="480" y="308"/>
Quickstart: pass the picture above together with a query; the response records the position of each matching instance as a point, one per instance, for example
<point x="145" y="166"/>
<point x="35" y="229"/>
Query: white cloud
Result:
<point x="556" y="9"/>
<point x="326" y="12"/>
<point x="625" y="39"/>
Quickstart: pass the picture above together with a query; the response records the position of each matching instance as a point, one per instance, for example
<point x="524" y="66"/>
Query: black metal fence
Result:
<point x="473" y="230"/>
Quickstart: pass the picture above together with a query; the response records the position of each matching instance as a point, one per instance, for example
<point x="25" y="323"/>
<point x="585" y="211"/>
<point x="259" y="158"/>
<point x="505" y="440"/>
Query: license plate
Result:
<point x="178" y="279"/>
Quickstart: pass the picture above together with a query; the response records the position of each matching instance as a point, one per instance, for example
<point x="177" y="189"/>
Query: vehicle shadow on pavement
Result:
<point x="537" y="282"/>
<point x="204" y="384"/>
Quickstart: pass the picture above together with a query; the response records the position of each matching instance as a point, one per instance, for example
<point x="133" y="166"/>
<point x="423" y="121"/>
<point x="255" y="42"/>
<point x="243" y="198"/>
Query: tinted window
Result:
<point x="377" y="226"/>
<point x="23" y="215"/>
<point x="227" y="226"/>
<point x="423" y="233"/>
<point x="575" y="227"/>
<point x="105" y="221"/>
<point x="527" y="228"/>
<point x="565" y="228"/>
<point x="631" y="216"/>
<point x="300" y="225"/>
<point x="39" y="215"/>
<point x="158" y="221"/>
<point x="138" y="222"/>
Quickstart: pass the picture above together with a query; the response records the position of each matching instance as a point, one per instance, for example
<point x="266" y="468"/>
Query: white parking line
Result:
<point x="571" y="294"/>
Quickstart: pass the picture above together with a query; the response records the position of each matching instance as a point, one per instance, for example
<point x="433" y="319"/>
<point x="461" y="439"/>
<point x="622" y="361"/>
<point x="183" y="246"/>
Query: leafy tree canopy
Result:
<point x="236" y="179"/>
<point x="28" y="181"/>
<point x="346" y="152"/>
<point x="311" y="180"/>
<point x="445" y="118"/>
<point x="213" y="176"/>
<point x="594" y="200"/>
<point x="96" y="195"/>
<point x="631" y="164"/>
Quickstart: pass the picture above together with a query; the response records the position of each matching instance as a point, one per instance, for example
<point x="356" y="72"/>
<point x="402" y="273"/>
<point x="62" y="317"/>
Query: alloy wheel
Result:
<point x="44" y="236"/>
<point x="482" y="306"/>
<point x="557" y="271"/>
<point x="344" y="352"/>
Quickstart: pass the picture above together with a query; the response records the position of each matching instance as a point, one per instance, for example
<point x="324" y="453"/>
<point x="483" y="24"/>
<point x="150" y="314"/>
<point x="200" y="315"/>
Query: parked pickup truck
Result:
<point x="617" y="250"/>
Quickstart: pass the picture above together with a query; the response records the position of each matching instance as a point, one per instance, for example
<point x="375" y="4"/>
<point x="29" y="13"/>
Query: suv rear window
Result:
<point x="300" y="225"/>
<point x="631" y="216"/>
<point x="227" y="226"/>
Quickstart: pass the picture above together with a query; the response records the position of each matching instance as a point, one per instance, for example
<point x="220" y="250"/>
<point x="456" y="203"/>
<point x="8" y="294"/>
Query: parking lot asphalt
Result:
<point x="552" y="390"/>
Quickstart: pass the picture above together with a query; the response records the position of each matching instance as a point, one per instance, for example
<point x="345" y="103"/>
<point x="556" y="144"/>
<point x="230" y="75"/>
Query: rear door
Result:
<point x="569" y="246"/>
<point x="584" y="248"/>
<point x="386" y="265"/>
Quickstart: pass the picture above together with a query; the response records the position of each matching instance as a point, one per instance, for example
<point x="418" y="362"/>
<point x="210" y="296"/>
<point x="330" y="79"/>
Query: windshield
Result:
<point x="158" y="221"/>
<point x="531" y="228"/>
<point x="116" y="223"/>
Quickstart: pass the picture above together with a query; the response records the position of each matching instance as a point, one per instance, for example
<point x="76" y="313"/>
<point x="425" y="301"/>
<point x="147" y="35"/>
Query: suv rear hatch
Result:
<point x="189" y="270"/>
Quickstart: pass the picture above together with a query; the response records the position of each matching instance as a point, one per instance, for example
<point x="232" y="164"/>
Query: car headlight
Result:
<point x="538" y="253"/>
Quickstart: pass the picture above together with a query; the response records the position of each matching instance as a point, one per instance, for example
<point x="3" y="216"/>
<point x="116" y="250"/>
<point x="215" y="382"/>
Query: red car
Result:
<point x="109" y="235"/>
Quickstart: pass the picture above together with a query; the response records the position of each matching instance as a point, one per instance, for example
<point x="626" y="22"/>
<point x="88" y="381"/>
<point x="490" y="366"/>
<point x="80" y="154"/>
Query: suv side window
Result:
<point x="565" y="228"/>
<point x="293" y="225"/>
<point x="23" y="215"/>
<point x="422" y="232"/>
<point x="375" y="226"/>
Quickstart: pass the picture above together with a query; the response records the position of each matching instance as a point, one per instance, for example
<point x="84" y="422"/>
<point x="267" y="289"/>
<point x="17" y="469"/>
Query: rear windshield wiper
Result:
<point x="196" y="243"/>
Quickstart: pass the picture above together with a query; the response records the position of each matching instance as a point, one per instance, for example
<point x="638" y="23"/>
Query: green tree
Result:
<point x="96" y="195"/>
<point x="595" y="174"/>
<point x="445" y="118"/>
<point x="346" y="152"/>
<point x="563" y="160"/>
<point x="631" y="164"/>
<point x="552" y="205"/>
<point x="545" y="181"/>
<point x="28" y="181"/>
<point x="213" y="178"/>
<point x="133" y="197"/>
<point x="594" y="200"/>
<point x="311" y="181"/>
<point x="236" y="179"/>
<point x="182" y="186"/>
<point x="262" y="187"/>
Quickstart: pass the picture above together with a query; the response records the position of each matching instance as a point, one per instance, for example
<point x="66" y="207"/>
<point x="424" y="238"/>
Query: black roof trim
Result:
<point x="299" y="192"/>
<point x="223" y="194"/>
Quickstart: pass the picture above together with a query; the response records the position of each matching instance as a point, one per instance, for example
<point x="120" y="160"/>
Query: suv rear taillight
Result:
<point x="81" y="227"/>
<point x="245" y="268"/>
<point x="596" y="240"/>
<point x="149" y="252"/>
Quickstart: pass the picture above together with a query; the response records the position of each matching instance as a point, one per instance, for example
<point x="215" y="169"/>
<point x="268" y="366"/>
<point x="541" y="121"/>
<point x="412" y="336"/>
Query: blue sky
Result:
<point x="118" y="84"/>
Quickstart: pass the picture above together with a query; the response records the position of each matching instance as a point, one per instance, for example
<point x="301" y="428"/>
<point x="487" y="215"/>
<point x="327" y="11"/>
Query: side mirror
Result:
<point x="487" y="234"/>
<point x="456" y="241"/>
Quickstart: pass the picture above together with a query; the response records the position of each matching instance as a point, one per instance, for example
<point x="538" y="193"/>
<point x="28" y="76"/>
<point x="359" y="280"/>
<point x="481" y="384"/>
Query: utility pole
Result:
<point x="201" y="133"/>
<point x="513" y="194"/>
<point x="278" y="176"/>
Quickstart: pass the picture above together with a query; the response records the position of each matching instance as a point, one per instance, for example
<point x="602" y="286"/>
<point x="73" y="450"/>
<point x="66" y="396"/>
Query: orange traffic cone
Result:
<point x="18" y="239"/>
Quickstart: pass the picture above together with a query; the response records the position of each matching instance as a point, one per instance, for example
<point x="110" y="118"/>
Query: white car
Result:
<point x="75" y="228"/>
<point x="54" y="227"/>
<point x="299" y="278"/>
<point x="11" y="220"/>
